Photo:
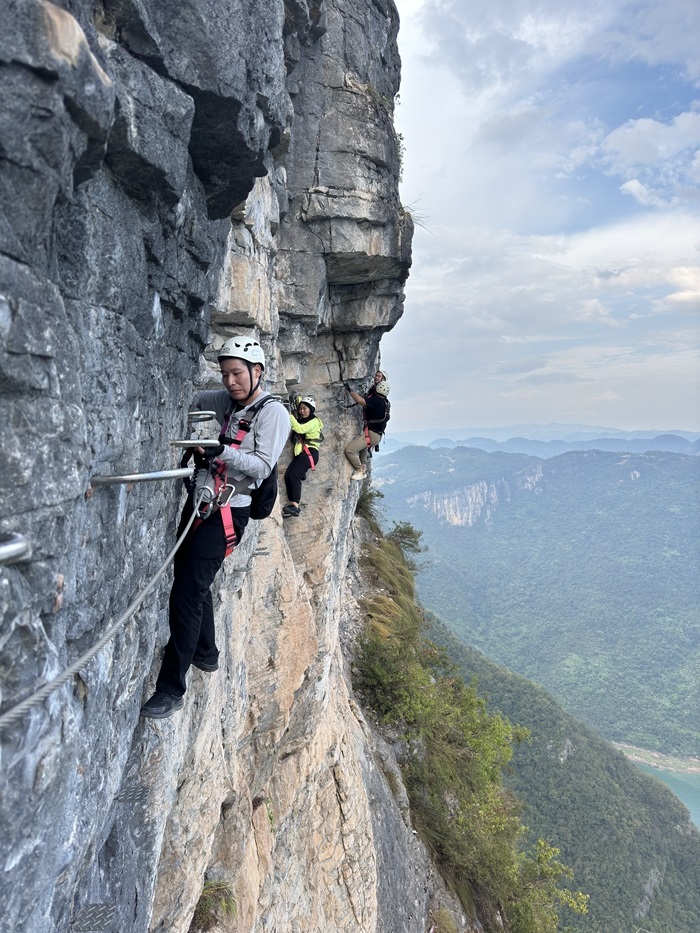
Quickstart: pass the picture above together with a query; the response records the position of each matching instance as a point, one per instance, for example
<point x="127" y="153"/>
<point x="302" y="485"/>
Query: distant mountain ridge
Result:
<point x="673" y="443"/>
<point x="569" y="433"/>
<point x="625" y="442"/>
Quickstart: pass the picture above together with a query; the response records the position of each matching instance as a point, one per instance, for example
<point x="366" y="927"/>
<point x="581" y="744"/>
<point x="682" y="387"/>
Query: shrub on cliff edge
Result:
<point x="456" y="753"/>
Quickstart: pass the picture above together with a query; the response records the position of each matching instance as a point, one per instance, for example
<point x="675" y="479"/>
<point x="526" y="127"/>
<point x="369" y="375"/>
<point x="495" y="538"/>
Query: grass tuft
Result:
<point x="216" y="902"/>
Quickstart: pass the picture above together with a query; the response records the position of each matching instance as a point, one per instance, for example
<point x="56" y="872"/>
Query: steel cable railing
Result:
<point x="14" y="715"/>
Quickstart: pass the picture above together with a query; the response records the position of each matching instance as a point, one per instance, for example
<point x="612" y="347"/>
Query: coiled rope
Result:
<point x="14" y="715"/>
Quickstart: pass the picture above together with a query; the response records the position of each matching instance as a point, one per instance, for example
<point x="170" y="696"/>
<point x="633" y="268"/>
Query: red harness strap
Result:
<point x="229" y="530"/>
<point x="226" y="517"/>
<point x="225" y="509"/>
<point x="306" y="450"/>
<point x="220" y="471"/>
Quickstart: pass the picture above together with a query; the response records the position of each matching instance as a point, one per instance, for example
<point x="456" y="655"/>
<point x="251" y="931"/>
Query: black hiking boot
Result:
<point x="207" y="666"/>
<point x="161" y="705"/>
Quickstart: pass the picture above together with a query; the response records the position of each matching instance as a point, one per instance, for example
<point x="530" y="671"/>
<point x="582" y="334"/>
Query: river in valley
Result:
<point x="685" y="785"/>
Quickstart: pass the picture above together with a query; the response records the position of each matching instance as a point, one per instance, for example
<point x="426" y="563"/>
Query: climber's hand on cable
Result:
<point x="348" y="387"/>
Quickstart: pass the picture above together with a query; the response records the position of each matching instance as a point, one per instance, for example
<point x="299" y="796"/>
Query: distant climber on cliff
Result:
<point x="254" y="430"/>
<point x="375" y="415"/>
<point x="307" y="434"/>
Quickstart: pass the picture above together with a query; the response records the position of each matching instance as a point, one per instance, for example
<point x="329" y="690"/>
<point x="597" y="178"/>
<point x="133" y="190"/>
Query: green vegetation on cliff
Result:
<point x="455" y="755"/>
<point x="626" y="836"/>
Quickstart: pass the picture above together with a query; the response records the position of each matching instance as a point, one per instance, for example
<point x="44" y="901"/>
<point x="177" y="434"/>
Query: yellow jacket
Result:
<point x="308" y="432"/>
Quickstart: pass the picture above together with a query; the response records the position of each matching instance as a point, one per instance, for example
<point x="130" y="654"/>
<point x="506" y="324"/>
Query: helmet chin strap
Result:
<point x="253" y="390"/>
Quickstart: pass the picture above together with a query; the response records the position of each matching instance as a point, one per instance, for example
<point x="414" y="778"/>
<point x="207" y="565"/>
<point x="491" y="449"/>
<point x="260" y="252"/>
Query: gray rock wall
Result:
<point x="171" y="173"/>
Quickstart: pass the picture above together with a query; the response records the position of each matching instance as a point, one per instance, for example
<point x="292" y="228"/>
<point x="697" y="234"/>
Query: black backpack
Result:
<point x="264" y="496"/>
<point x="379" y="424"/>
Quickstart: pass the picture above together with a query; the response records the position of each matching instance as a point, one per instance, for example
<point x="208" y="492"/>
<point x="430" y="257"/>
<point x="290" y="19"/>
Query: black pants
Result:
<point x="196" y="564"/>
<point x="296" y="472"/>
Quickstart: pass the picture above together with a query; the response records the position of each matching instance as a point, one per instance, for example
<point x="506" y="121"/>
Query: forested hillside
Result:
<point x="626" y="836"/>
<point x="579" y="572"/>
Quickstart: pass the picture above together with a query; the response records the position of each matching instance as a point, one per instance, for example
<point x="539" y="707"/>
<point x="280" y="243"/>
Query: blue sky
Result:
<point x="552" y="162"/>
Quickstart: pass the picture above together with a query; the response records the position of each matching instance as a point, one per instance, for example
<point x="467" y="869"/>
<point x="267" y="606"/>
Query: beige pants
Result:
<point x="356" y="451"/>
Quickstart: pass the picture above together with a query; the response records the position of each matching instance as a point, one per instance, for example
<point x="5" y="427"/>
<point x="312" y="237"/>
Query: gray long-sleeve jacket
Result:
<point x="260" y="449"/>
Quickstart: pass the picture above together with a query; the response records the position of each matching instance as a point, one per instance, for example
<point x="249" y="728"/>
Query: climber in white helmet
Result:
<point x="254" y="430"/>
<point x="375" y="414"/>
<point x="307" y="434"/>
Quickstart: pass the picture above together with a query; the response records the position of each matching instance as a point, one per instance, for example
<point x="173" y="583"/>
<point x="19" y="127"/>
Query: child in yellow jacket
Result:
<point x="307" y="434"/>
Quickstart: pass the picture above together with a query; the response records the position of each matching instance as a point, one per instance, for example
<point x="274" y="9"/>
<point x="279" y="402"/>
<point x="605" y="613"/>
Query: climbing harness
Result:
<point x="211" y="488"/>
<point x="213" y="493"/>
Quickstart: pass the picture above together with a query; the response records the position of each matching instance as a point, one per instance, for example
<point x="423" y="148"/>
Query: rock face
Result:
<point x="464" y="506"/>
<point x="169" y="174"/>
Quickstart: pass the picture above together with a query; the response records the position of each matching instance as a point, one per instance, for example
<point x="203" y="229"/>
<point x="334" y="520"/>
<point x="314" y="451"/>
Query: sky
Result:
<point x="552" y="166"/>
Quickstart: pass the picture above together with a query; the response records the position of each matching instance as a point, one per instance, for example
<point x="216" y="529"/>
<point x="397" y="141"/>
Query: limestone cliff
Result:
<point x="170" y="173"/>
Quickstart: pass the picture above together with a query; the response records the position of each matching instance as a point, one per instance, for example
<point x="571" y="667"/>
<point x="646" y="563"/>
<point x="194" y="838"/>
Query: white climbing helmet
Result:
<point x="307" y="400"/>
<point x="243" y="348"/>
<point x="383" y="388"/>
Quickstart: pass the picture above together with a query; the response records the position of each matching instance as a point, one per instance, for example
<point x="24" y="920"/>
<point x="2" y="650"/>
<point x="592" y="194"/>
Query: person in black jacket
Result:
<point x="374" y="411"/>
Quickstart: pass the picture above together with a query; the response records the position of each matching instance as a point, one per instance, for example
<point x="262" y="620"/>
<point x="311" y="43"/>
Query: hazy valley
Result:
<point x="578" y="572"/>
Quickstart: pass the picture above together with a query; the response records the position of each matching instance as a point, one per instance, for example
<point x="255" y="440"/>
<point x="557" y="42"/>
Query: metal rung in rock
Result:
<point x="141" y="477"/>
<point x="201" y="416"/>
<point x="94" y="917"/>
<point x="195" y="442"/>
<point x="136" y="794"/>
<point x="13" y="547"/>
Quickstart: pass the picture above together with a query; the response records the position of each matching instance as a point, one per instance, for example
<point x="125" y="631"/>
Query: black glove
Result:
<point x="348" y="387"/>
<point x="202" y="461"/>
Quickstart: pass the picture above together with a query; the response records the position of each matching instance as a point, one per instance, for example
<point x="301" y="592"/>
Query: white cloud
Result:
<point x="641" y="193"/>
<point x="594" y="311"/>
<point x="561" y="271"/>
<point x="657" y="34"/>
<point x="665" y="153"/>
<point x="687" y="293"/>
<point x="650" y="142"/>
